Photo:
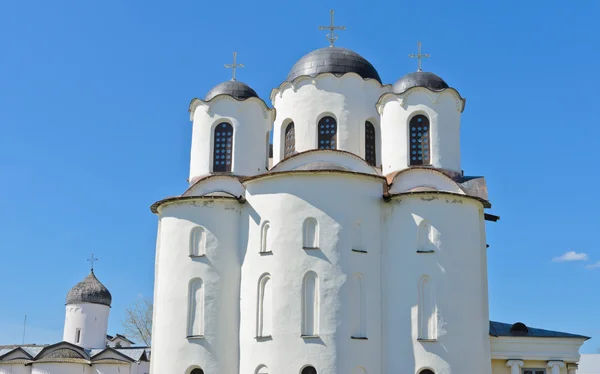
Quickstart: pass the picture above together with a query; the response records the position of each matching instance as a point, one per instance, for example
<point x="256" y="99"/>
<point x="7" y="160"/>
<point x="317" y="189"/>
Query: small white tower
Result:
<point x="87" y="309"/>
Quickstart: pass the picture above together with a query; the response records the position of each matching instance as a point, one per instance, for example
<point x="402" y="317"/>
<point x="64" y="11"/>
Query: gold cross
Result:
<point x="419" y="56"/>
<point x="234" y="66"/>
<point x="331" y="36"/>
<point x="91" y="260"/>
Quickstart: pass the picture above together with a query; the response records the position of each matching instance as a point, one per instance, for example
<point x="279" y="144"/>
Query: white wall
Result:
<point x="443" y="110"/>
<point x="286" y="201"/>
<point x="251" y="120"/>
<point x="219" y="270"/>
<point x="14" y="369"/>
<point x="457" y="272"/>
<point x="92" y="319"/>
<point x="61" y="368"/>
<point x="350" y="99"/>
<point x="112" y="369"/>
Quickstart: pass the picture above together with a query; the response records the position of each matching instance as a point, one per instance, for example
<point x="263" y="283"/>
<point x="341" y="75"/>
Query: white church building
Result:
<point x="358" y="246"/>
<point x="86" y="348"/>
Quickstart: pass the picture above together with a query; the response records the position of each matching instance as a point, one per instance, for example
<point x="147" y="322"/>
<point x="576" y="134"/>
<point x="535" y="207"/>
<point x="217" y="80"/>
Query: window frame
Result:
<point x="410" y="141"/>
<point x="286" y="127"/>
<point x="534" y="370"/>
<point x="329" y="139"/>
<point x="228" y="168"/>
<point x="372" y="125"/>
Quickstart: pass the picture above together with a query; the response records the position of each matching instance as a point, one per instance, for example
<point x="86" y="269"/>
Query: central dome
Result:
<point x="338" y="61"/>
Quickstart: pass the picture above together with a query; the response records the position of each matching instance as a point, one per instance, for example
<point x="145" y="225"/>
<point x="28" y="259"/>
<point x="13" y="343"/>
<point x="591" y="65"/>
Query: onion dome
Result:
<point x="233" y="88"/>
<point x="420" y="79"/>
<point x="89" y="290"/>
<point x="338" y="61"/>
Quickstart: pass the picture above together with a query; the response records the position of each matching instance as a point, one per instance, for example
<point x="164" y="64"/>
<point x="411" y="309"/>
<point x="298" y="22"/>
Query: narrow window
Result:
<point x="370" y="155"/>
<point x="264" y="238"/>
<point x="223" y="147"/>
<point x="357" y="237"/>
<point x="359" y="328"/>
<point x="310" y="231"/>
<point x="533" y="371"/>
<point x="198" y="241"/>
<point x="78" y="336"/>
<point x="419" y="130"/>
<point x="425" y="243"/>
<point x="290" y="140"/>
<point x="197" y="371"/>
<point x="262" y="369"/>
<point x="118" y="345"/>
<point x="196" y="308"/>
<point x="310" y="304"/>
<point x="327" y="131"/>
<point x="309" y="370"/>
<point x="265" y="307"/>
<point x="427" y="310"/>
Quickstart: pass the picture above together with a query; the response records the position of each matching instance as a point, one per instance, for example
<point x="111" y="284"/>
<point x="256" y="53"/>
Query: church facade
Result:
<point x="86" y="348"/>
<point x="358" y="246"/>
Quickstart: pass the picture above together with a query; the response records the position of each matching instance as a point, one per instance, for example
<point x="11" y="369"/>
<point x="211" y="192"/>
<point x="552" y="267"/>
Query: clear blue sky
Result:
<point x="94" y="128"/>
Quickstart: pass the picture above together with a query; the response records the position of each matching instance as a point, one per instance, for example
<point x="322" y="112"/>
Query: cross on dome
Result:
<point x="331" y="36"/>
<point x="91" y="261"/>
<point x="419" y="56"/>
<point x="234" y="66"/>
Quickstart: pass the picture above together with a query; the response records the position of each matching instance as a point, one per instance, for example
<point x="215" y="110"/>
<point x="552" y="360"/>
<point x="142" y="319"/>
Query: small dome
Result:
<point x="89" y="290"/>
<point x="235" y="89"/>
<point x="338" y="61"/>
<point x="420" y="79"/>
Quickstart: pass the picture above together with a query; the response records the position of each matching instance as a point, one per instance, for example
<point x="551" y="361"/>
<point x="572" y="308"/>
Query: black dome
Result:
<point x="89" y="290"/>
<point x="420" y="79"/>
<point x="235" y="89"/>
<point x="334" y="60"/>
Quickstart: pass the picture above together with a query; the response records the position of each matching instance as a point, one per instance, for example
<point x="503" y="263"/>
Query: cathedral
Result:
<point x="86" y="348"/>
<point x="354" y="244"/>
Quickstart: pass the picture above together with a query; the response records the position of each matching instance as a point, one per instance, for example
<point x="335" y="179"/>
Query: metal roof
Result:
<point x="89" y="290"/>
<point x="504" y="329"/>
<point x="236" y="89"/>
<point x="420" y="79"/>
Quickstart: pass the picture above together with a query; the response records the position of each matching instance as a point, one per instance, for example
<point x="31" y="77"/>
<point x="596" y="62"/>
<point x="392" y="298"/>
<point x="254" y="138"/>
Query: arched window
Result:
<point x="426" y="371"/>
<point x="290" y="140"/>
<point x="310" y="234"/>
<point x="419" y="149"/>
<point x="359" y="323"/>
<point x="327" y="131"/>
<point x="370" y="154"/>
<point x="198" y="241"/>
<point x="223" y="147"/>
<point x="262" y="369"/>
<point x="264" y="238"/>
<point x="310" y="304"/>
<point x="309" y="370"/>
<point x="265" y="307"/>
<point x="197" y="371"/>
<point x="427" y="310"/>
<point x="357" y="237"/>
<point x="196" y="308"/>
<point x="426" y="234"/>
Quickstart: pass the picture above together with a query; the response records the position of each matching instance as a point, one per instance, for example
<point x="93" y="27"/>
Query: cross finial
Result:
<point x="234" y="66"/>
<point x="419" y="56"/>
<point x="331" y="36"/>
<point x="91" y="261"/>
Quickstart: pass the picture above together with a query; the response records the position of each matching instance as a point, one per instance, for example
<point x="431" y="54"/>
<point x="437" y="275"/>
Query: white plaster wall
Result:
<point x="443" y="111"/>
<point x="142" y="367"/>
<point x="112" y="369"/>
<point x="219" y="270"/>
<point x="61" y="368"/>
<point x="251" y="120"/>
<point x="92" y="319"/>
<point x="14" y="369"/>
<point x="457" y="270"/>
<point x="349" y="99"/>
<point x="285" y="201"/>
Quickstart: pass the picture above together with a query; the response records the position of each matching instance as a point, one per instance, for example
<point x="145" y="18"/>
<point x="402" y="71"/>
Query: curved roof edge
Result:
<point x="398" y="94"/>
<point x="300" y="78"/>
<point x="388" y="196"/>
<point x="447" y="173"/>
<point x="295" y="156"/>
<point x="207" y="178"/>
<point x="154" y="207"/>
<point x="195" y="102"/>
<point x="305" y="172"/>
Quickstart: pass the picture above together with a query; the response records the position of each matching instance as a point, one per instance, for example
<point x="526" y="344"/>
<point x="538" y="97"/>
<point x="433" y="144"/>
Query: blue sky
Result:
<point x="94" y="128"/>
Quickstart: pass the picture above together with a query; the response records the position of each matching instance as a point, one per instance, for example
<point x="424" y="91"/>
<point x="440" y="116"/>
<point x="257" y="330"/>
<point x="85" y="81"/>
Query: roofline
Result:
<point x="317" y="150"/>
<point x="15" y="349"/>
<point x="272" y="112"/>
<point x="70" y="345"/>
<point x="389" y="196"/>
<point x="397" y="94"/>
<point x="154" y="207"/>
<point x="329" y="171"/>
<point x="111" y="349"/>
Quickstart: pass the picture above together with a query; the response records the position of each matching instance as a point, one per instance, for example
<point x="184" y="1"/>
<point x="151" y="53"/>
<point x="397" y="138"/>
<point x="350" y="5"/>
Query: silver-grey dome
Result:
<point x="338" y="61"/>
<point x="89" y="290"/>
<point x="235" y="89"/>
<point x="420" y="79"/>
